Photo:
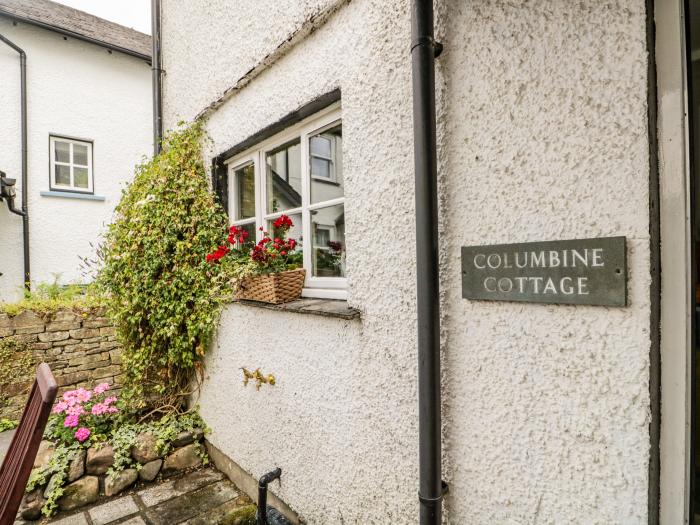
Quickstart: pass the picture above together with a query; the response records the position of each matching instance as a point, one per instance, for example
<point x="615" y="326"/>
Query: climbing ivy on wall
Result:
<point x="161" y="292"/>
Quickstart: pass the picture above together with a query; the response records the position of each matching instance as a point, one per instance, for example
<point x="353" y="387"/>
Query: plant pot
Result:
<point x="273" y="288"/>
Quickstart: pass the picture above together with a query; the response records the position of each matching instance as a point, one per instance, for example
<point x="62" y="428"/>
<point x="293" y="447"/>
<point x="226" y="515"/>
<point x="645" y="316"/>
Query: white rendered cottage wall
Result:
<point x="542" y="135"/>
<point x="545" y="137"/>
<point x="78" y="90"/>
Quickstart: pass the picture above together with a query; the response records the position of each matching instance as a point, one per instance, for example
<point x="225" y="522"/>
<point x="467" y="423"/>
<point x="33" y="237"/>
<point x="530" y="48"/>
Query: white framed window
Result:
<point x="299" y="173"/>
<point x="70" y="164"/>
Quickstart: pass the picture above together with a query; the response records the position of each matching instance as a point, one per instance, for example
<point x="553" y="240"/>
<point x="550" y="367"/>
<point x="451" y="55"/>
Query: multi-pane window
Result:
<point x="70" y="164"/>
<point x="298" y="173"/>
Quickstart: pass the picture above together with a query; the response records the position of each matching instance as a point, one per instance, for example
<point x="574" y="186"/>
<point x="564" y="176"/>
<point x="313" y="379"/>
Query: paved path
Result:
<point x="202" y="497"/>
<point x="5" y="439"/>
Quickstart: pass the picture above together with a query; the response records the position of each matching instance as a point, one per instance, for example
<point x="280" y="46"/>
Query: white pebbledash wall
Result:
<point x="78" y="90"/>
<point x="542" y="135"/>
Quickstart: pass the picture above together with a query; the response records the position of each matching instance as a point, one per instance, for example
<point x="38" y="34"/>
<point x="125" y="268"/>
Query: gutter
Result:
<point x="157" y="76"/>
<point x="77" y="36"/>
<point x="25" y="193"/>
<point x="424" y="49"/>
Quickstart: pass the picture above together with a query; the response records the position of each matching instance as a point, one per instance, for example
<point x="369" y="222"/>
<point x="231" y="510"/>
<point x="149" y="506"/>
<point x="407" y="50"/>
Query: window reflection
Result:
<point x="326" y="164"/>
<point x="283" y="167"/>
<point x="328" y="229"/>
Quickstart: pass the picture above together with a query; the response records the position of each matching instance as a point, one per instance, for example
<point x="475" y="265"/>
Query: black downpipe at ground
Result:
<point x="423" y="52"/>
<point x="261" y="516"/>
<point x="157" y="74"/>
<point x="25" y="193"/>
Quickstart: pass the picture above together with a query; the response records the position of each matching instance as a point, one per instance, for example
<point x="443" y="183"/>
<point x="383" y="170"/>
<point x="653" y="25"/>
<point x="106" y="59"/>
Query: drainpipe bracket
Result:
<point x="428" y="41"/>
<point x="433" y="502"/>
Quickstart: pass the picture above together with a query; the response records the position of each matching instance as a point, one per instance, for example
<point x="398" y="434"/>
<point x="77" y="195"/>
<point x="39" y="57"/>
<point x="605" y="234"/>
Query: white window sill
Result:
<point x="72" y="195"/>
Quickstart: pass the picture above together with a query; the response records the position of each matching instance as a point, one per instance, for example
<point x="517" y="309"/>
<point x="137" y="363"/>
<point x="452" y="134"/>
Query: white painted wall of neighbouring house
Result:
<point x="79" y="90"/>
<point x="542" y="135"/>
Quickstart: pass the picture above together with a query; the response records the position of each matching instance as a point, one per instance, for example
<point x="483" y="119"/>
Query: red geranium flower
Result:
<point x="283" y="222"/>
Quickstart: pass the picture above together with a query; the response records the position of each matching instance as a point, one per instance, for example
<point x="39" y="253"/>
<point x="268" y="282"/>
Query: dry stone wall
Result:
<point x="79" y="345"/>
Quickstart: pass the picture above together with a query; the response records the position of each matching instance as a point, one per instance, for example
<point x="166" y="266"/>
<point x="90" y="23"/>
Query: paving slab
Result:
<point x="177" y="487"/>
<point x="138" y="520"/>
<point x="113" y="510"/>
<point x="75" y="519"/>
<point x="216" y="514"/>
<point x="201" y="497"/>
<point x="187" y="506"/>
<point x="5" y="440"/>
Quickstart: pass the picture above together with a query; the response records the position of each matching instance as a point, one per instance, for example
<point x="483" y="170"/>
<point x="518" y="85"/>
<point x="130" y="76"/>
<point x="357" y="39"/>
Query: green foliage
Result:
<point x="58" y="468"/>
<point x="164" y="430"/>
<point x="49" y="297"/>
<point x="7" y="424"/>
<point x="121" y="436"/>
<point x="17" y="366"/>
<point x="163" y="296"/>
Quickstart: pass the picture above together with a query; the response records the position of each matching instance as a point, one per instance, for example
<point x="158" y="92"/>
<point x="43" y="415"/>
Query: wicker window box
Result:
<point x="273" y="288"/>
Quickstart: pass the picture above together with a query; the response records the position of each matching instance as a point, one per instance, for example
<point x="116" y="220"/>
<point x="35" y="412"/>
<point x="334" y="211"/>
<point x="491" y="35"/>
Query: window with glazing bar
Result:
<point x="70" y="164"/>
<point x="299" y="173"/>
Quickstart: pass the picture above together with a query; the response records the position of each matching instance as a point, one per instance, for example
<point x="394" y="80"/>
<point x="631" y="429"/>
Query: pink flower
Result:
<point x="109" y="400"/>
<point x="83" y="395"/>
<point x="75" y="410"/>
<point x="71" y="422"/>
<point x="101" y="388"/>
<point x="82" y="434"/>
<point x="98" y="409"/>
<point x="61" y="406"/>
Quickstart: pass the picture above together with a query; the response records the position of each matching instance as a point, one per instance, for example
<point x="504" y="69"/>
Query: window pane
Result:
<point x="245" y="191"/>
<point x="295" y="232"/>
<point x="62" y="151"/>
<point x="320" y="168"/>
<point x="250" y="228"/>
<point x="80" y="177"/>
<point x="283" y="167"/>
<point x="80" y="154"/>
<point x="321" y="145"/>
<point x="328" y="228"/>
<point x="326" y="165"/>
<point x="63" y="175"/>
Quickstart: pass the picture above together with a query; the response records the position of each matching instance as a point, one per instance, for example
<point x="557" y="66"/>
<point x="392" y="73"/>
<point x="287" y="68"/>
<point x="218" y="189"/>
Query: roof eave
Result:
<point x="75" y="35"/>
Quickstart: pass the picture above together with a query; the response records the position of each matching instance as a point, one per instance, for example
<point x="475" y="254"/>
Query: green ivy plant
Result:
<point x="7" y="424"/>
<point x="57" y="468"/>
<point x="163" y="297"/>
<point x="164" y="430"/>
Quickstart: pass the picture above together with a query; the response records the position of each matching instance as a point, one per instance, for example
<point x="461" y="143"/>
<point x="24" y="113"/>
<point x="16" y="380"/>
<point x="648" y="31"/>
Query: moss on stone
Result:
<point x="240" y="516"/>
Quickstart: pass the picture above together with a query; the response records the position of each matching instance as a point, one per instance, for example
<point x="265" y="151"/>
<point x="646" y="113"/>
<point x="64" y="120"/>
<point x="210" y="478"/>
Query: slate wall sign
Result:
<point x="577" y="271"/>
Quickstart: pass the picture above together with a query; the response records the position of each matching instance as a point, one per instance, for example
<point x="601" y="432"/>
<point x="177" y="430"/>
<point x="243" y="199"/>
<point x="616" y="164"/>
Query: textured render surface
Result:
<point x="542" y="118"/>
<point x="368" y="435"/>
<point x="544" y="137"/>
<point x="307" y="423"/>
<point x="79" y="90"/>
<point x="252" y="29"/>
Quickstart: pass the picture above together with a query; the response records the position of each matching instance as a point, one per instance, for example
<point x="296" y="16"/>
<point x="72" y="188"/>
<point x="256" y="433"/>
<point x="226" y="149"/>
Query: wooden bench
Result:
<point x="20" y="457"/>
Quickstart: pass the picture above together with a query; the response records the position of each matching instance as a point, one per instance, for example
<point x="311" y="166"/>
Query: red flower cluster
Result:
<point x="264" y="252"/>
<point x="237" y="234"/>
<point x="217" y="254"/>
<point x="283" y="223"/>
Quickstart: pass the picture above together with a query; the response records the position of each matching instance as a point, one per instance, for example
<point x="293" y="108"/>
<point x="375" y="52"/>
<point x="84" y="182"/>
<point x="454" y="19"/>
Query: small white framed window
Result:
<point x="70" y="164"/>
<point x="299" y="173"/>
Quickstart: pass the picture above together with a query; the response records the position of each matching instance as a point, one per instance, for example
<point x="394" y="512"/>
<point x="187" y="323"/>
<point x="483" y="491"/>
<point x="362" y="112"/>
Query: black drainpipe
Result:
<point x="25" y="193"/>
<point x="424" y="49"/>
<point x="157" y="74"/>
